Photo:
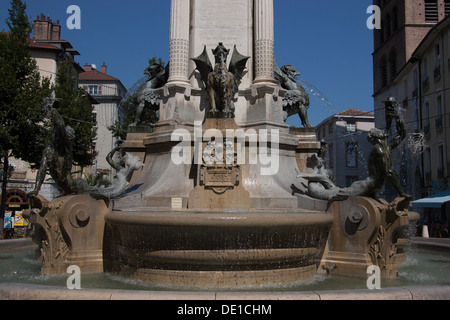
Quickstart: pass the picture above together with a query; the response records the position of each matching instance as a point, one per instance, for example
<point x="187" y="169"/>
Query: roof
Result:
<point x="95" y="75"/>
<point x="41" y="45"/>
<point x="353" y="112"/>
<point x="347" y="114"/>
<point x="52" y="45"/>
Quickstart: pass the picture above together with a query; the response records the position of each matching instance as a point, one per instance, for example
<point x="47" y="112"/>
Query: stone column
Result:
<point x="264" y="40"/>
<point x="179" y="40"/>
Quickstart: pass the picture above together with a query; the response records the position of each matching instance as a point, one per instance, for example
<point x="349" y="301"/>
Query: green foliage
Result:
<point x="154" y="60"/>
<point x="98" y="180"/>
<point x="22" y="92"/>
<point x="77" y="112"/>
<point x="119" y="129"/>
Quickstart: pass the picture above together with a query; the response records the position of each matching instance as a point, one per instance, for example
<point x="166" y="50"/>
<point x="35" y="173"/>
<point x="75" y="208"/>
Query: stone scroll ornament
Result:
<point x="380" y="166"/>
<point x="222" y="83"/>
<point x="296" y="100"/>
<point x="57" y="161"/>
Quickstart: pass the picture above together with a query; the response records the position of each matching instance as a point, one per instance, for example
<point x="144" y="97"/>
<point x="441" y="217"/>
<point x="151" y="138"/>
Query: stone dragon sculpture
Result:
<point x="296" y="100"/>
<point x="222" y="83"/>
<point x="147" y="97"/>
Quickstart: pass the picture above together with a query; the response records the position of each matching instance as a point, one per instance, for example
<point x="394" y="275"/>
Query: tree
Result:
<point x="76" y="111"/>
<point x="22" y="96"/>
<point x="154" y="60"/>
<point x="119" y="129"/>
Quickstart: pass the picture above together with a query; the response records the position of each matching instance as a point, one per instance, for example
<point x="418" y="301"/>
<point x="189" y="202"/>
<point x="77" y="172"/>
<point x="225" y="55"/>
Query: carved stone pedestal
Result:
<point x="69" y="231"/>
<point x="367" y="232"/>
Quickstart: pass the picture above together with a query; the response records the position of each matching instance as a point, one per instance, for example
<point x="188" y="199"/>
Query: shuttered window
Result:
<point x="431" y="11"/>
<point x="447" y="7"/>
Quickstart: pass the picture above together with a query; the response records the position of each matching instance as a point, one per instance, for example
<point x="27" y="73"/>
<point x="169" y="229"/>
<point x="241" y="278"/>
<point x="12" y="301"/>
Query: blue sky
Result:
<point x="326" y="40"/>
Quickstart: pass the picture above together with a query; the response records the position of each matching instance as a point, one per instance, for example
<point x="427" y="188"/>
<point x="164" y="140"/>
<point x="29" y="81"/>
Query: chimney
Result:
<point x="44" y="29"/>
<point x="56" y="31"/>
<point x="104" y="68"/>
<point x="88" y="67"/>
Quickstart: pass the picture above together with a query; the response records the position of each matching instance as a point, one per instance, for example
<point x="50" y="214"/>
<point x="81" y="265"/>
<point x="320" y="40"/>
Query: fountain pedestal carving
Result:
<point x="367" y="232"/>
<point x="69" y="231"/>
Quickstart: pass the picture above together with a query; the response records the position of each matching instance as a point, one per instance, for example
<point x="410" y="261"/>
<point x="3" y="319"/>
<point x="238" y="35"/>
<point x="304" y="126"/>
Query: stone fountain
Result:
<point x="223" y="198"/>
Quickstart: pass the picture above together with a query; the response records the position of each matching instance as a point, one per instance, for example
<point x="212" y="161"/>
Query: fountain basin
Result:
<point x="212" y="249"/>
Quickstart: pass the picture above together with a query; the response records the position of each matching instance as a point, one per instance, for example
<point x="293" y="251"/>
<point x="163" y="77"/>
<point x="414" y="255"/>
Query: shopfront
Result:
<point x="14" y="224"/>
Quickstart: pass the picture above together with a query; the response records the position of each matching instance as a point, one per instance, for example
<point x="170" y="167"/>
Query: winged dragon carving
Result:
<point x="221" y="83"/>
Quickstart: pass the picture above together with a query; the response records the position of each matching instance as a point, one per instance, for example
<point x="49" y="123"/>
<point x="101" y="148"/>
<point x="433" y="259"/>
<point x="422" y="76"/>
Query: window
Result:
<point x="441" y="162"/>
<point x="431" y="11"/>
<point x="447" y="7"/>
<point x="448" y="45"/>
<point x="395" y="19"/>
<point x="437" y="61"/>
<point x="393" y="64"/>
<point x="427" y="161"/>
<point x="416" y="114"/>
<point x="330" y="128"/>
<point x="388" y="26"/>
<point x="426" y="120"/>
<point x="95" y="90"/>
<point x="439" y="118"/>
<point x="416" y="83"/>
<point x="331" y="156"/>
<point x="426" y="79"/>
<point x="351" y="154"/>
<point x="405" y="93"/>
<point x="351" y="127"/>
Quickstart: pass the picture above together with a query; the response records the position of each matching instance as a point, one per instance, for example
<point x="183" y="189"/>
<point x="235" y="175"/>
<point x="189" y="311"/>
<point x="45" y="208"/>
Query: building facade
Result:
<point x="109" y="92"/>
<point x="423" y="88"/>
<point x="412" y="64"/>
<point x="347" y="147"/>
